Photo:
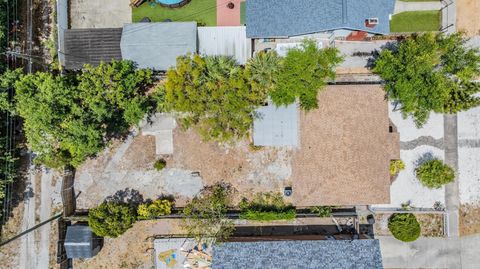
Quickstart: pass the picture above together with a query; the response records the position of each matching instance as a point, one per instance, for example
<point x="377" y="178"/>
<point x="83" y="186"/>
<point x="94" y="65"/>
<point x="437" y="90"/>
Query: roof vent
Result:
<point x="371" y="22"/>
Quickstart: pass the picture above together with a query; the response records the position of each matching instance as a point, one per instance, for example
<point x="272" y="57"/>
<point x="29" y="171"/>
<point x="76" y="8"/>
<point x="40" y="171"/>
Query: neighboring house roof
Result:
<point x="81" y="242"/>
<point x="361" y="254"/>
<point x="91" y="46"/>
<point x="225" y="40"/>
<point x="157" y="45"/>
<point x="345" y="149"/>
<point x="285" y="18"/>
<point x="276" y="126"/>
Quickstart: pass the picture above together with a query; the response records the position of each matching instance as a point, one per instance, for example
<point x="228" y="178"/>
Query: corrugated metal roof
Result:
<point x="276" y="126"/>
<point x="91" y="46"/>
<point x="225" y="40"/>
<point x="285" y="18"/>
<point x="358" y="254"/>
<point x="78" y="242"/>
<point x="157" y="45"/>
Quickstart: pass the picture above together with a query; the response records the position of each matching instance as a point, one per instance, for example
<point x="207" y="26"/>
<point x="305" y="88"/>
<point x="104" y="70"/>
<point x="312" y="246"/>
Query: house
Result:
<point x="81" y="242"/>
<point x="298" y="254"/>
<point x="286" y="18"/>
<point x="343" y="148"/>
<point x="267" y="254"/>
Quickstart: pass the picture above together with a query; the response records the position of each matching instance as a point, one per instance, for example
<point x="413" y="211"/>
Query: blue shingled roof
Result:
<point x="359" y="254"/>
<point x="284" y="18"/>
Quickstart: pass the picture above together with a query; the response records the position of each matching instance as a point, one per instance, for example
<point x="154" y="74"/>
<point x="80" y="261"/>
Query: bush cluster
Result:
<point x="404" y="227"/>
<point x="396" y="166"/>
<point x="154" y="209"/>
<point x="322" y="211"/>
<point x="434" y="174"/>
<point x="113" y="218"/>
<point x="160" y="164"/>
<point x="266" y="207"/>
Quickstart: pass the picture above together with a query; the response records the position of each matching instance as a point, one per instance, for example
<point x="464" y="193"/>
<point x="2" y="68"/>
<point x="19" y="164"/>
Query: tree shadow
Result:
<point x="427" y="156"/>
<point x="127" y="196"/>
<point x="392" y="46"/>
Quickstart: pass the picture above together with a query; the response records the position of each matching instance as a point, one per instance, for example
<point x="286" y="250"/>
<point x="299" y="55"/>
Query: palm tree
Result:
<point x="262" y="70"/>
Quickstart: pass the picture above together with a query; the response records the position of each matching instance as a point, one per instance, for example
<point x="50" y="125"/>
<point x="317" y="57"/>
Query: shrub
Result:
<point x="396" y="166"/>
<point x="266" y="207"/>
<point x="434" y="174"/>
<point x="205" y="215"/>
<point x="322" y="211"/>
<point x="160" y="164"/>
<point x="155" y="209"/>
<point x="111" y="219"/>
<point x="404" y="227"/>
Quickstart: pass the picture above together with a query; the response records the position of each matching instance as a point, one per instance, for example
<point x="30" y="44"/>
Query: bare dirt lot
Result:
<point x="468" y="19"/>
<point x="469" y="219"/>
<point x="129" y="164"/>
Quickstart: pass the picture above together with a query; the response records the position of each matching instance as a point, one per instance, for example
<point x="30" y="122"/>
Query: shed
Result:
<point x="157" y="45"/>
<point x="81" y="242"/>
<point x="225" y="40"/>
<point x="276" y="126"/>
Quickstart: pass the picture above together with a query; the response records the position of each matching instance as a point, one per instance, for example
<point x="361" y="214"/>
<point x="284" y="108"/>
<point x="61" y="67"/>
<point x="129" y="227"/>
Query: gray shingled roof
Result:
<point x="358" y="254"/>
<point x="91" y="46"/>
<point x="284" y="18"/>
<point x="276" y="126"/>
<point x="157" y="45"/>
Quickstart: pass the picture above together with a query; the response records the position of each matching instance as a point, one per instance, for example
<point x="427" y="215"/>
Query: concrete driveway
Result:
<point x="99" y="14"/>
<point x="431" y="252"/>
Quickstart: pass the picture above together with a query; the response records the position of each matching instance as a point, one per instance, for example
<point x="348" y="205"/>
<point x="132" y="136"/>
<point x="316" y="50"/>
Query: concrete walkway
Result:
<point x="431" y="252"/>
<point x="449" y="17"/>
<point x="401" y="6"/>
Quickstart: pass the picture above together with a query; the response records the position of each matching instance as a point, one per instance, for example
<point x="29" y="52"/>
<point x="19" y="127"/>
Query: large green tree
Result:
<point x="111" y="219"/>
<point x="213" y="94"/>
<point x="68" y="119"/>
<point x="303" y="72"/>
<point x="430" y="73"/>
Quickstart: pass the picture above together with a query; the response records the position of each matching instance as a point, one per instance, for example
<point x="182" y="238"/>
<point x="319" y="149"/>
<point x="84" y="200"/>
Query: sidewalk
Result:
<point x="401" y="6"/>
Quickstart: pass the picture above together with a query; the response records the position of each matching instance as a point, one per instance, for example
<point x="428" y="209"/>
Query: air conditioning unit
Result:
<point x="372" y="21"/>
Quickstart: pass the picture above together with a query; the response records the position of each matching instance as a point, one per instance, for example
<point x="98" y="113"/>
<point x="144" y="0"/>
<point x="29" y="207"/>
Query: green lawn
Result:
<point x="202" y="11"/>
<point x="415" y="21"/>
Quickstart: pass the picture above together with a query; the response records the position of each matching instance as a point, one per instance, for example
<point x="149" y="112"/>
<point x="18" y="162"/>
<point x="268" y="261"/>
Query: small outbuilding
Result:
<point x="276" y="126"/>
<point x="81" y="242"/>
<point x="157" y="45"/>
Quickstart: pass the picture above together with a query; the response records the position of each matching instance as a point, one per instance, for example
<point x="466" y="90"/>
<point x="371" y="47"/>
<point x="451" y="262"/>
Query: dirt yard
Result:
<point x="129" y="164"/>
<point x="468" y="19"/>
<point x="469" y="219"/>
<point x="430" y="223"/>
<point x="132" y="249"/>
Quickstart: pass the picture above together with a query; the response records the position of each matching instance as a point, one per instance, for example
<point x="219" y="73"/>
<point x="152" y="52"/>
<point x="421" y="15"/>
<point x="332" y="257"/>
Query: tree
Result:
<point x="430" y="73"/>
<point x="68" y="119"/>
<point x="303" y="73"/>
<point x="205" y="215"/>
<point x="111" y="219"/>
<point x="404" y="227"/>
<point x="213" y="94"/>
<point x="434" y="174"/>
<point x="262" y="71"/>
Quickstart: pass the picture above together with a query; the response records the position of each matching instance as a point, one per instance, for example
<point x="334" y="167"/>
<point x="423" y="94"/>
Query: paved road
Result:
<point x="431" y="252"/>
<point x="401" y="6"/>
